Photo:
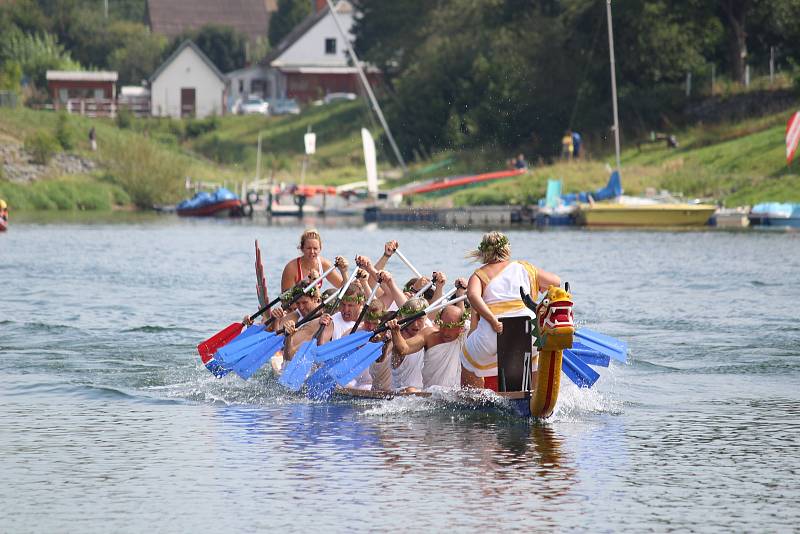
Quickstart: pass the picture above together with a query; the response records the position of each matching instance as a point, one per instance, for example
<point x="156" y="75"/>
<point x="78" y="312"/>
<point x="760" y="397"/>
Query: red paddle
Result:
<point x="209" y="347"/>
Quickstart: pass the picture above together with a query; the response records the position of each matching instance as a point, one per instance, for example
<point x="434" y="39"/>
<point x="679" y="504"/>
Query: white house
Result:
<point x="187" y="84"/>
<point x="307" y="64"/>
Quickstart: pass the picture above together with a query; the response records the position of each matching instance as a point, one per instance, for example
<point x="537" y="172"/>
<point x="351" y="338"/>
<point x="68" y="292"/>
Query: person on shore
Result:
<point x="311" y="259"/>
<point x="577" y="141"/>
<point x="494" y="292"/>
<point x="520" y="163"/>
<point x="567" y="146"/>
<point x="93" y="139"/>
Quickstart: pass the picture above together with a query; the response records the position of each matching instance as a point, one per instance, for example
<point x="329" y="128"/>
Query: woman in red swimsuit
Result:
<point x="312" y="260"/>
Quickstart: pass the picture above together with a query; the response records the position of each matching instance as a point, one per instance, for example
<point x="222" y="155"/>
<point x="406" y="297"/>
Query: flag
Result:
<point x="792" y="136"/>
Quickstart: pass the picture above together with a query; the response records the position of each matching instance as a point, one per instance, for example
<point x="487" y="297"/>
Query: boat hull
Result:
<point x="519" y="402"/>
<point x="665" y="215"/>
<point x="775" y="222"/>
<point x="226" y="207"/>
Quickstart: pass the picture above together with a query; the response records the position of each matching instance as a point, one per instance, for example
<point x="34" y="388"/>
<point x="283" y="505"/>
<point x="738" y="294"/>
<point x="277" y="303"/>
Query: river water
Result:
<point x="108" y="422"/>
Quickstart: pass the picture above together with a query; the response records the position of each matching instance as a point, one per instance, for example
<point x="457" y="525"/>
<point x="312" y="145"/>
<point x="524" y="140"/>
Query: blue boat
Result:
<point x="775" y="214"/>
<point x="203" y="204"/>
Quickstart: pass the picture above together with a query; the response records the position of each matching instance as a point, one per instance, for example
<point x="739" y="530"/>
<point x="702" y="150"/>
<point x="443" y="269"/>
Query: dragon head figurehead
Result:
<point x="554" y="324"/>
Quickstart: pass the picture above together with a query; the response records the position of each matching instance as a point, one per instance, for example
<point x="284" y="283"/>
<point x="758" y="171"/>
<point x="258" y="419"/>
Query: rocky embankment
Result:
<point x="16" y="164"/>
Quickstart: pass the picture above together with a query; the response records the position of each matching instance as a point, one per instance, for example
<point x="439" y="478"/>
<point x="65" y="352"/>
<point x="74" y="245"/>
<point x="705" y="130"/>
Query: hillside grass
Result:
<point x="147" y="161"/>
<point x="339" y="155"/>
<point x="147" y="170"/>
<point x="737" y="164"/>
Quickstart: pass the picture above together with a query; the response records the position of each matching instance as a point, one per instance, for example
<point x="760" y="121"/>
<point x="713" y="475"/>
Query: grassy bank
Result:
<point x="145" y="161"/>
<point x="738" y="164"/>
<point x="146" y="169"/>
<point x="77" y="192"/>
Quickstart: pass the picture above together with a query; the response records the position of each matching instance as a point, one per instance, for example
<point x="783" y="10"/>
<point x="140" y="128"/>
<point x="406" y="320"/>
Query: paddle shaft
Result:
<point x="295" y="299"/>
<point x="365" y="307"/>
<point x="313" y="315"/>
<point x="408" y="263"/>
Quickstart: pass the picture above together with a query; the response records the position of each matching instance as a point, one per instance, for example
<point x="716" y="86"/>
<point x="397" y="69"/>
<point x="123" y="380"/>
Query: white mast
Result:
<point x="613" y="80"/>
<point x="367" y="87"/>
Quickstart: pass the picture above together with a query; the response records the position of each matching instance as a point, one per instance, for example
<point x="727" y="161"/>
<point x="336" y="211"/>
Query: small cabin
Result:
<point x="87" y="93"/>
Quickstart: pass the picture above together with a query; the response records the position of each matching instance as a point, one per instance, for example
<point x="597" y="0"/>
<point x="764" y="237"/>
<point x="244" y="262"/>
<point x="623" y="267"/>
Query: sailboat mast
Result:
<point x="613" y="80"/>
<point x="367" y="86"/>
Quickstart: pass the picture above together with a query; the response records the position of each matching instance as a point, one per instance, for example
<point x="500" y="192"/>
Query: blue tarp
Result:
<point x="777" y="209"/>
<point x="203" y="199"/>
<point x="613" y="189"/>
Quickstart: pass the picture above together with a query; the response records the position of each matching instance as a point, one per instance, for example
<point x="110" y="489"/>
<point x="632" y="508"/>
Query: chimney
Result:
<point x="319" y="5"/>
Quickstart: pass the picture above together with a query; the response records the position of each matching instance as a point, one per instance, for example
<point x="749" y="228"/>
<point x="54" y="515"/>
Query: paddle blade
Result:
<point x="332" y="349"/>
<point x="236" y="350"/>
<point x="299" y="366"/>
<point x="320" y="385"/>
<point x="252" y="362"/>
<point x="215" y="368"/>
<point x="208" y="347"/>
<point x="352" y="366"/>
<point x="591" y="357"/>
<point x="581" y="374"/>
<point x="602" y="343"/>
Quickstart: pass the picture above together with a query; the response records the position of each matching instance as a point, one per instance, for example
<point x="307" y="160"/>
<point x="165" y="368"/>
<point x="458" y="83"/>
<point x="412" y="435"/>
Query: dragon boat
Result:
<point x="530" y="356"/>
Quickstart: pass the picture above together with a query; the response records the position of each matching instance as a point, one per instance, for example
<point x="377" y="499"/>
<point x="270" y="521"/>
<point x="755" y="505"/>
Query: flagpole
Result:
<point x="613" y="80"/>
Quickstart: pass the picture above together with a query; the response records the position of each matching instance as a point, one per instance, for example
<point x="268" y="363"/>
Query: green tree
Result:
<point x="137" y="53"/>
<point x="35" y="54"/>
<point x="224" y="46"/>
<point x="288" y="15"/>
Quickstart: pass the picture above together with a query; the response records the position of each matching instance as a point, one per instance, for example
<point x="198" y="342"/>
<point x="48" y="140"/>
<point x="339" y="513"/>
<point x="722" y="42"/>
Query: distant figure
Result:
<point x="520" y="162"/>
<point x="576" y="145"/>
<point x="567" y="147"/>
<point x="672" y="142"/>
<point x="3" y="215"/>
<point x="93" y="139"/>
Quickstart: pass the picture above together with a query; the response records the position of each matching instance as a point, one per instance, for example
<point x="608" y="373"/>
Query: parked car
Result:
<point x="254" y="106"/>
<point x="338" y="97"/>
<point x="284" y="106"/>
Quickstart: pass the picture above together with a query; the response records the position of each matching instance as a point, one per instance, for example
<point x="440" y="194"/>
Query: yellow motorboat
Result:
<point x="644" y="214"/>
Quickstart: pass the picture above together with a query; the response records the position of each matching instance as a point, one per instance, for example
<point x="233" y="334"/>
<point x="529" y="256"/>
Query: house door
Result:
<point x="188" y="102"/>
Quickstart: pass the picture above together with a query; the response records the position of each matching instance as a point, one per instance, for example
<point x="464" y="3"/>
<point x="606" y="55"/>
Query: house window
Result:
<point x="241" y="89"/>
<point x="330" y="46"/>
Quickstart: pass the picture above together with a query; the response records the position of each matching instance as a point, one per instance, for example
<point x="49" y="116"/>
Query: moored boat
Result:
<point x="220" y="203"/>
<point x="643" y="213"/>
<point x="775" y="214"/>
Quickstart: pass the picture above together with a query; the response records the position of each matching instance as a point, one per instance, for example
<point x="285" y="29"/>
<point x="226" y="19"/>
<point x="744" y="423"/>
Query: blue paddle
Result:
<point x="352" y="366"/>
<point x="581" y="374"/>
<point x="354" y="341"/>
<point x="252" y="360"/>
<point x="589" y="356"/>
<point x="603" y="344"/>
<point x="299" y="366"/>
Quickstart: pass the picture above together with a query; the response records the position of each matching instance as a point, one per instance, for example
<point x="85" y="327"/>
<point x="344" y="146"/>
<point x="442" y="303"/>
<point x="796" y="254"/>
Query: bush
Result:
<point x="124" y="118"/>
<point x="65" y="133"/>
<point x="42" y="147"/>
<point x="147" y="173"/>
<point x="197" y="127"/>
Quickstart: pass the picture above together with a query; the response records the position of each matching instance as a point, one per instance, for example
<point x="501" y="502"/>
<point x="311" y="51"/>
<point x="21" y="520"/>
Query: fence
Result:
<point x="107" y="107"/>
<point x="8" y="99"/>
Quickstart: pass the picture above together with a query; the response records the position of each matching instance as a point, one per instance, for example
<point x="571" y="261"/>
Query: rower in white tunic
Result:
<point x="443" y="344"/>
<point x="494" y="293"/>
<point x="407" y="369"/>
